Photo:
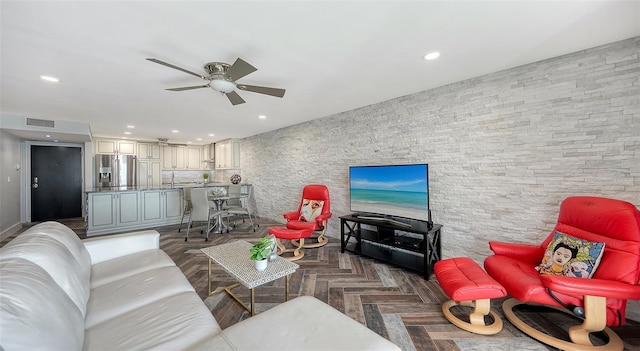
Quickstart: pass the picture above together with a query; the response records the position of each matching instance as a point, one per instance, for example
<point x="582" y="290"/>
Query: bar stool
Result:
<point x="186" y="192"/>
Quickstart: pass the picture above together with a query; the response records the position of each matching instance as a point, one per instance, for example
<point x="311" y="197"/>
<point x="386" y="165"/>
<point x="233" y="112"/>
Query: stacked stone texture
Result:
<point x="503" y="149"/>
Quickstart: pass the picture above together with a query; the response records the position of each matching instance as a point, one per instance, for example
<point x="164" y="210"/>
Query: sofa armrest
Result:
<point x="108" y="247"/>
<point x="523" y="252"/>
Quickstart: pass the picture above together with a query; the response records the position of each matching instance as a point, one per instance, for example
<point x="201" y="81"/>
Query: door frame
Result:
<point x="25" y="212"/>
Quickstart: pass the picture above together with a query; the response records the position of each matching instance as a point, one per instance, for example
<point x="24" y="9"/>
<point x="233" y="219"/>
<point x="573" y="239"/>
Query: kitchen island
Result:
<point x="121" y="209"/>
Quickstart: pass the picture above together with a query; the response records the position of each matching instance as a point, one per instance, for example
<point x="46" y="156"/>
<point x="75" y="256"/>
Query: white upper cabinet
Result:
<point x="173" y="157"/>
<point x="193" y="157"/>
<point x="227" y="154"/>
<point x="111" y="147"/>
<point x="182" y="157"/>
<point x="148" y="151"/>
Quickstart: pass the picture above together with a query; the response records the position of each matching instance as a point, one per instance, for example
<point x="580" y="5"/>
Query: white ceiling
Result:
<point x="331" y="56"/>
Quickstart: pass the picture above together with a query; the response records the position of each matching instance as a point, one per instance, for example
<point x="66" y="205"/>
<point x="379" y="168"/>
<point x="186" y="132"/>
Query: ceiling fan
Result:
<point x="165" y="142"/>
<point x="222" y="77"/>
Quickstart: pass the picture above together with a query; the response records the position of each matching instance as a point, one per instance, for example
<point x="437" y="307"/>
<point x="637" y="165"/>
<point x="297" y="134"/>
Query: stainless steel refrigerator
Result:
<point x="115" y="171"/>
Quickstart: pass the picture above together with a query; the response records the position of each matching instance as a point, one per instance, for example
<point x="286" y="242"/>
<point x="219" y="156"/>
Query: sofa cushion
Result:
<point x="35" y="313"/>
<point x="306" y="323"/>
<point x="127" y="294"/>
<point x="172" y="323"/>
<point x="54" y="257"/>
<point x="67" y="237"/>
<point x="125" y="266"/>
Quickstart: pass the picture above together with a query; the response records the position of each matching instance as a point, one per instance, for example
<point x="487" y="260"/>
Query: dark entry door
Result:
<point x="56" y="182"/>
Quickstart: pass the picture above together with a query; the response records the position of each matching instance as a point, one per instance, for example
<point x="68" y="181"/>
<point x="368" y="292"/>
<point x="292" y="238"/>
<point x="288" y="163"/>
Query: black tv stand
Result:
<point x="383" y="219"/>
<point x="404" y="242"/>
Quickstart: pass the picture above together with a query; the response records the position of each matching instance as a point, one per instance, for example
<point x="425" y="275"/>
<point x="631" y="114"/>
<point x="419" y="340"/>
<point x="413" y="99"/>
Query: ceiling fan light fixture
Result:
<point x="222" y="85"/>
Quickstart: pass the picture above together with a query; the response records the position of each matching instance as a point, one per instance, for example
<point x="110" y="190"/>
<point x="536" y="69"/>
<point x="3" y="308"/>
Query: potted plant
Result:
<point x="260" y="252"/>
<point x="205" y="176"/>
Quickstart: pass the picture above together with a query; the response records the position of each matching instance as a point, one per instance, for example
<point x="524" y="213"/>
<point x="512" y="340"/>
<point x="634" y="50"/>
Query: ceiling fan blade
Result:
<point x="239" y="69"/>
<point x="262" y="90"/>
<point x="235" y="98"/>
<point x="176" y="67"/>
<point x="188" y="88"/>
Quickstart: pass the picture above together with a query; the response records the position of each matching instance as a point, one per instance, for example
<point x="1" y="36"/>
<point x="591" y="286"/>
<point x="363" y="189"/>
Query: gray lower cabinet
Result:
<point x="109" y="210"/>
<point x="161" y="205"/>
<point x="120" y="211"/>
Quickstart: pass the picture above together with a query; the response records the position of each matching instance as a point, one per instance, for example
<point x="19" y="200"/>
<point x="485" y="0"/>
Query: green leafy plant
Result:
<point x="205" y="176"/>
<point x="261" y="250"/>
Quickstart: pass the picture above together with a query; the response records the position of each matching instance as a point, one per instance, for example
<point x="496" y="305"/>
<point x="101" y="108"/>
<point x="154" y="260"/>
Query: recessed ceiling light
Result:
<point x="50" y="79"/>
<point x="211" y="134"/>
<point x="262" y="117"/>
<point x="175" y="131"/>
<point x="198" y="139"/>
<point x="131" y="127"/>
<point x="47" y="135"/>
<point x="431" y="56"/>
<point x="127" y="133"/>
<point x="188" y="142"/>
<point x="55" y="140"/>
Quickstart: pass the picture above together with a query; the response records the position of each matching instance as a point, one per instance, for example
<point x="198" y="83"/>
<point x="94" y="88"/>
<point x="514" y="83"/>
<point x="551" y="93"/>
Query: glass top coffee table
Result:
<point x="234" y="258"/>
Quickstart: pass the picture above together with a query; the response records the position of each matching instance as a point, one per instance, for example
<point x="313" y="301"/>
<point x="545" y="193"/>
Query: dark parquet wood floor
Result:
<point x="398" y="304"/>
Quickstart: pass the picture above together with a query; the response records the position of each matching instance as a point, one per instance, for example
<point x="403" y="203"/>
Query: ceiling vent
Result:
<point x="40" y="122"/>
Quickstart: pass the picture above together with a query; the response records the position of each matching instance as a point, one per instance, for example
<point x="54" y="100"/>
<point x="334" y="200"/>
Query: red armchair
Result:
<point x="315" y="192"/>
<point x="601" y="300"/>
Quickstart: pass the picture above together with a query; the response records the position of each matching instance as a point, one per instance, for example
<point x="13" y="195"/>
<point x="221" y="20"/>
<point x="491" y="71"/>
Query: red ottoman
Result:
<point x="295" y="236"/>
<point x="467" y="284"/>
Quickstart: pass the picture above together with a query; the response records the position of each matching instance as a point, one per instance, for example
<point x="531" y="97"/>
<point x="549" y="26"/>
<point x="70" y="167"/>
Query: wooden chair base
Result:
<point x="297" y="250"/>
<point x="579" y="334"/>
<point x="321" y="240"/>
<point x="476" y="322"/>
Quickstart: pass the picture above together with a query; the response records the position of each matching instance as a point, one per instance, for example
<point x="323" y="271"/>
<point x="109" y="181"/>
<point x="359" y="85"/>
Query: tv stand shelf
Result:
<point x="403" y="242"/>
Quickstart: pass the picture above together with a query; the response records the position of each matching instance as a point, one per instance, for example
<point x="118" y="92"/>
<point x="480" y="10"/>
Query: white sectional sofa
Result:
<point x="121" y="292"/>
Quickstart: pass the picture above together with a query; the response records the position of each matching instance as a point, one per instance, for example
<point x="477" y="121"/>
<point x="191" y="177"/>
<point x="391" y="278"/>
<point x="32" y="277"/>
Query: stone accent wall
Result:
<point x="503" y="149"/>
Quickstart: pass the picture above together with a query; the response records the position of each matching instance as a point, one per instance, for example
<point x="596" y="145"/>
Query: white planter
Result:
<point x="261" y="265"/>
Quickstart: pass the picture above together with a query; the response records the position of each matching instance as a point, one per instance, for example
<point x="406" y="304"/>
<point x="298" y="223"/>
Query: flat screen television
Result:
<point x="390" y="190"/>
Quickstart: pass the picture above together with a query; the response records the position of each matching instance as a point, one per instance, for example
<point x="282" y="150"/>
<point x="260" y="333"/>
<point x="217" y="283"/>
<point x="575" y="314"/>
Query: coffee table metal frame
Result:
<point x="234" y="258"/>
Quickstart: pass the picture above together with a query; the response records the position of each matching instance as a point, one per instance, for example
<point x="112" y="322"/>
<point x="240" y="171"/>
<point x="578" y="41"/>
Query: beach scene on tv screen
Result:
<point x="391" y="190"/>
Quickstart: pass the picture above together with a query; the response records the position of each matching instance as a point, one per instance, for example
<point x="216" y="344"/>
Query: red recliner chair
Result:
<point x="314" y="197"/>
<point x="600" y="300"/>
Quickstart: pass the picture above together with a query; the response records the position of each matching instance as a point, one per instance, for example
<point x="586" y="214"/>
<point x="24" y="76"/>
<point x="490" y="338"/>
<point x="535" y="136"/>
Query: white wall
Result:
<point x="10" y="178"/>
<point x="503" y="149"/>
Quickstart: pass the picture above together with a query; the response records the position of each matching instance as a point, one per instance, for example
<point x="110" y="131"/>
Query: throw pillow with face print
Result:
<point x="310" y="210"/>
<point x="571" y="257"/>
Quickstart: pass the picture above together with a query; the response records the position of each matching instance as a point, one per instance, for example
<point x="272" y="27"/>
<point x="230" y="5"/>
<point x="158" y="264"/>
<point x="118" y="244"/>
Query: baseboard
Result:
<point x="10" y="231"/>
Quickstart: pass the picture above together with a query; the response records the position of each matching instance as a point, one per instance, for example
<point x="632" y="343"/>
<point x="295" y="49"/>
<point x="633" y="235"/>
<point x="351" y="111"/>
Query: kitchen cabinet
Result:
<point x="173" y="157"/>
<point x="161" y="205"/>
<point x="112" y="147"/>
<point x="182" y="157"/>
<point x="149" y="165"/>
<point x="121" y="211"/>
<point x="227" y="154"/>
<point x="148" y="151"/>
<point x="111" y="210"/>
<point x="193" y="156"/>
<point x="149" y="173"/>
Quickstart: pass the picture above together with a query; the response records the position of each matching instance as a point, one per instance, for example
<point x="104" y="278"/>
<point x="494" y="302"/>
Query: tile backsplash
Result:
<point x="182" y="177"/>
